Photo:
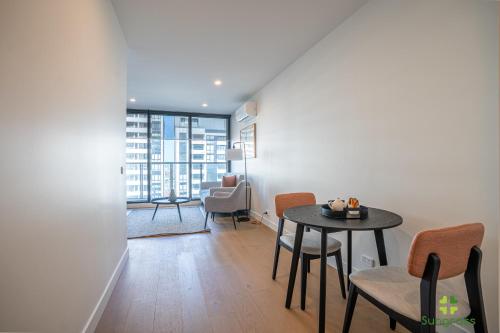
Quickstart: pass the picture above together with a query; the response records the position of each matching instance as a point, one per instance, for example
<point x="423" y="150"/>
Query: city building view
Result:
<point x="180" y="153"/>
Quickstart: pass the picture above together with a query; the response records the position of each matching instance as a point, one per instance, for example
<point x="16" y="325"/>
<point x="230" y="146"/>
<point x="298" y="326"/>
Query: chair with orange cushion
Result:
<point x="421" y="297"/>
<point x="311" y="242"/>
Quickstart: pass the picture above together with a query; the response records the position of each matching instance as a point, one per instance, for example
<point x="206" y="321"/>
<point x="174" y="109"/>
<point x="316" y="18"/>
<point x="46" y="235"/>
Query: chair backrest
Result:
<point x="240" y="187"/>
<point x="288" y="200"/>
<point x="452" y="245"/>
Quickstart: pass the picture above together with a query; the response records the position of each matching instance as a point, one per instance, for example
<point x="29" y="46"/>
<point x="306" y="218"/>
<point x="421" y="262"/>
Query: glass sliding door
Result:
<point x="171" y="151"/>
<point x="137" y="157"/>
<point x="169" y="155"/>
<point x="208" y="145"/>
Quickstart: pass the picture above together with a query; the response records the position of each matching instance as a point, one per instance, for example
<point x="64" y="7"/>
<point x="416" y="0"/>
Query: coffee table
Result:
<point x="167" y="201"/>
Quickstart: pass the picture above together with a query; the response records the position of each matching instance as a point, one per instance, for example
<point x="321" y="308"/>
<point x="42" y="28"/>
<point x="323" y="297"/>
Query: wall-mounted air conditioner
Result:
<point x="249" y="109"/>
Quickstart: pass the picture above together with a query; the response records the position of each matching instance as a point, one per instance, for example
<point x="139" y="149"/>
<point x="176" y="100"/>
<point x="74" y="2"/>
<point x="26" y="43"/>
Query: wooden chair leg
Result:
<point x="234" y="222"/>
<point x="474" y="291"/>
<point x="303" y="283"/>
<point x="277" y="248"/>
<point x="340" y="270"/>
<point x="206" y="219"/>
<point x="349" y="311"/>
<point x="276" y="257"/>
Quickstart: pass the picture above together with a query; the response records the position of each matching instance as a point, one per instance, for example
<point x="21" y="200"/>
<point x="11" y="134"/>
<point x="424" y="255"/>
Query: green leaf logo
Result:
<point x="448" y="305"/>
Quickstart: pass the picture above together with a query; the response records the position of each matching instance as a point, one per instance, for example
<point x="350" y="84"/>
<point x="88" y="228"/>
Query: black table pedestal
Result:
<point x="167" y="201"/>
<point x="349" y="257"/>
<point x="178" y="211"/>
<point x="322" y="282"/>
<point x="379" y="239"/>
<point x="297" y="245"/>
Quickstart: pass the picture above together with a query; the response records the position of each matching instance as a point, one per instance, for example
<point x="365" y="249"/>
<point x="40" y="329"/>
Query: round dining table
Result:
<point x="311" y="217"/>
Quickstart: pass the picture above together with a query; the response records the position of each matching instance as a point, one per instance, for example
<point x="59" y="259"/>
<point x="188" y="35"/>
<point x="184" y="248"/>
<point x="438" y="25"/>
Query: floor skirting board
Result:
<point x="96" y="314"/>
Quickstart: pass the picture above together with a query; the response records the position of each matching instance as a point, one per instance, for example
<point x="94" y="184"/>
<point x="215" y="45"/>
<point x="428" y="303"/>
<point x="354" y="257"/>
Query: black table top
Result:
<point x="311" y="216"/>
<point x="166" y="201"/>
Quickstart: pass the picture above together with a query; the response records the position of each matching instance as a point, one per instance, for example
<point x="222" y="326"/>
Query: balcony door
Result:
<point x="170" y="151"/>
<point x="208" y="144"/>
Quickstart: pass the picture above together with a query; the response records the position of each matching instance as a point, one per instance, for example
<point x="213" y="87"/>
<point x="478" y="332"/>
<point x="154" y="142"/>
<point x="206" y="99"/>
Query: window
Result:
<point x="136" y="156"/>
<point x="198" y="156"/>
<point x="208" y="151"/>
<point x="169" y="159"/>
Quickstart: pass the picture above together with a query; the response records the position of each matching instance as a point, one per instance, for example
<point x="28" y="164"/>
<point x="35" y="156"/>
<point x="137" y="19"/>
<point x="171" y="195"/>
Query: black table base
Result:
<point x="382" y="256"/>
<point x="178" y="211"/>
<point x="167" y="201"/>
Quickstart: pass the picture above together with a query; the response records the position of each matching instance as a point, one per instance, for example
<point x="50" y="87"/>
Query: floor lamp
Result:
<point x="236" y="154"/>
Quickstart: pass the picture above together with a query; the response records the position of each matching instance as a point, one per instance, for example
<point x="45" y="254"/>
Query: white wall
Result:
<point x="399" y="107"/>
<point x="62" y="125"/>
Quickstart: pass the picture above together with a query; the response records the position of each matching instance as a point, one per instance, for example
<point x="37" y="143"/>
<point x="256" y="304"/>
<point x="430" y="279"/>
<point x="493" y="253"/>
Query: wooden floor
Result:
<point x="221" y="282"/>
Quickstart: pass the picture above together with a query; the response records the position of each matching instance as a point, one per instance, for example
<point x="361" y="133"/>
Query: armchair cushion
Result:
<point x="228" y="181"/>
<point x="221" y="194"/>
<point x="221" y="189"/>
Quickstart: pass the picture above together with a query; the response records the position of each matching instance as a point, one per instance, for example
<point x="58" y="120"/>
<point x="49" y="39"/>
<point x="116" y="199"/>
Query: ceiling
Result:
<point x="177" y="48"/>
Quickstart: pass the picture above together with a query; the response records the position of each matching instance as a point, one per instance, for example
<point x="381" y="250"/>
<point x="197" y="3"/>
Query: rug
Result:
<point x="166" y="222"/>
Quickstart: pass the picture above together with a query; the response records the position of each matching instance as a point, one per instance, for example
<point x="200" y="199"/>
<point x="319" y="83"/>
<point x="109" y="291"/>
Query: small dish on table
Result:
<point x="339" y="209"/>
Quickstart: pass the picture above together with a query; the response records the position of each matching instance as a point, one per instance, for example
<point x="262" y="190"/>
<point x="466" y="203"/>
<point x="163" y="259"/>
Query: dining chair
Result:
<point x="311" y="242"/>
<point x="411" y="296"/>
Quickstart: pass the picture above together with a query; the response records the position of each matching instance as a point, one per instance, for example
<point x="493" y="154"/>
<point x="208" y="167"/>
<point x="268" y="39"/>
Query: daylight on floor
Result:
<point x="249" y="166"/>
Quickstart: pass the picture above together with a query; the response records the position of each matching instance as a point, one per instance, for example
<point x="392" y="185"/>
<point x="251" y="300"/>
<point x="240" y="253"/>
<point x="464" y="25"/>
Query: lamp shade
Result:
<point x="234" y="154"/>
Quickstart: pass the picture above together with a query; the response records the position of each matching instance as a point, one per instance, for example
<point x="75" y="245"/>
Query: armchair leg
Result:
<point x="234" y="222"/>
<point x="213" y="216"/>
<point x="206" y="219"/>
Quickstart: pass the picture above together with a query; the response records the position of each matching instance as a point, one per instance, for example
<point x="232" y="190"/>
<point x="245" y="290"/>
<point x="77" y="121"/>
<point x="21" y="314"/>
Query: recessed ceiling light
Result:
<point x="218" y="82"/>
<point x="132" y="100"/>
<point x="204" y="105"/>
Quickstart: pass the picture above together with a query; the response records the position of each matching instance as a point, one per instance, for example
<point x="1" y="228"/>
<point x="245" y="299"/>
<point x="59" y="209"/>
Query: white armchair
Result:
<point x="225" y="200"/>
<point x="209" y="188"/>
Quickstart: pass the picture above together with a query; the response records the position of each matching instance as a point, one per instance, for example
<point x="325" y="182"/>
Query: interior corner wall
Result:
<point x="62" y="196"/>
<point x="398" y="106"/>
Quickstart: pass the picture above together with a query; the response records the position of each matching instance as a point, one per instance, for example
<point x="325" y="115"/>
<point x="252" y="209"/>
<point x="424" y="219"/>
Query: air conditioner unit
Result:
<point x="249" y="109"/>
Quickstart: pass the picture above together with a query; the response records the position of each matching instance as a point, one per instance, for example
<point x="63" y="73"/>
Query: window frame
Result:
<point x="189" y="116"/>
